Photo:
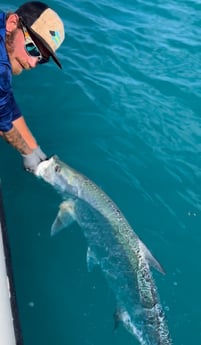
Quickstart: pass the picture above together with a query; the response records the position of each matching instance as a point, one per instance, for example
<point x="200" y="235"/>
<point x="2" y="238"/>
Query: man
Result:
<point x="28" y="37"/>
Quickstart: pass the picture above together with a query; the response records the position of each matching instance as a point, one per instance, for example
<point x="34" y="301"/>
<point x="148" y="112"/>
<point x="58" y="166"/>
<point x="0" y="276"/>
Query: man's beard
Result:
<point x="10" y="47"/>
<point x="16" y="63"/>
<point x="10" y="38"/>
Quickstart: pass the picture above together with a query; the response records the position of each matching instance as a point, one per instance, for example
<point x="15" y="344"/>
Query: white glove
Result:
<point x="32" y="160"/>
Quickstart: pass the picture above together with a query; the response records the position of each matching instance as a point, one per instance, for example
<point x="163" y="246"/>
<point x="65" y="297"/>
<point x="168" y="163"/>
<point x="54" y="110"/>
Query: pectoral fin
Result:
<point x="65" y="216"/>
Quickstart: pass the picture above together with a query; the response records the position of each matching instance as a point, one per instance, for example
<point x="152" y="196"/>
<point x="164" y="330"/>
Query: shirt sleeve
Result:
<point x="9" y="110"/>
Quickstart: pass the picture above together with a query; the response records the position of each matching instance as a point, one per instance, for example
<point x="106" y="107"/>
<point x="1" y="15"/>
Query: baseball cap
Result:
<point x="45" y="24"/>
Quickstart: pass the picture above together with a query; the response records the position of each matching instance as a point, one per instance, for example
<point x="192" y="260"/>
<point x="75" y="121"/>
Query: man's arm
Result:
<point x="14" y="138"/>
<point x="23" y="129"/>
<point x="20" y="137"/>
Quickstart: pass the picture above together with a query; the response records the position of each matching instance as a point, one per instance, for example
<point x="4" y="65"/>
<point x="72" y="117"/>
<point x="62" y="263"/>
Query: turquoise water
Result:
<point x="125" y="111"/>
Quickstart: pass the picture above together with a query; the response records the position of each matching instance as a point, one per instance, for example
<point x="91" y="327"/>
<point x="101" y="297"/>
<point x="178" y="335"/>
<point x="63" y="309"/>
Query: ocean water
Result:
<point x="125" y="111"/>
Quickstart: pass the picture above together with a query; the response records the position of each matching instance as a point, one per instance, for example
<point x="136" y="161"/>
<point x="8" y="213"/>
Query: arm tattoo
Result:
<point x="14" y="138"/>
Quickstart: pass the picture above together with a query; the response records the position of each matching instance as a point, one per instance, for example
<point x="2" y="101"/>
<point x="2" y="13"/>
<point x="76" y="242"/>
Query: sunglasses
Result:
<point x="31" y="47"/>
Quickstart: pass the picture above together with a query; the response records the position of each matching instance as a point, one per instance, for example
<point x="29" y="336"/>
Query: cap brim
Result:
<point x="42" y="41"/>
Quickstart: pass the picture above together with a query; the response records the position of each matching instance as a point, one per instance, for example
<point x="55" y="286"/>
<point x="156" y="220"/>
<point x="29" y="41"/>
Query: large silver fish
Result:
<point x="114" y="246"/>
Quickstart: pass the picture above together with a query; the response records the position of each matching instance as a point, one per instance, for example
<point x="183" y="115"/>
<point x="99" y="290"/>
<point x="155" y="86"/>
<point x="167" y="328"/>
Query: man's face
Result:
<point x="15" y="44"/>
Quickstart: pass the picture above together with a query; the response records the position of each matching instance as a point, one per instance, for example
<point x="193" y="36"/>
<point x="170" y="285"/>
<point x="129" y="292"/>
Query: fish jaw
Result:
<point x="46" y="170"/>
<point x="59" y="175"/>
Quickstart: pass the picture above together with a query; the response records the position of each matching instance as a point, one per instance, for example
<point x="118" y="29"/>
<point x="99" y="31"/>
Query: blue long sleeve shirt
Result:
<point x="9" y="110"/>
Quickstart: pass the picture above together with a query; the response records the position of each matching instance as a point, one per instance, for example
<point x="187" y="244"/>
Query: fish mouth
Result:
<point x="42" y="167"/>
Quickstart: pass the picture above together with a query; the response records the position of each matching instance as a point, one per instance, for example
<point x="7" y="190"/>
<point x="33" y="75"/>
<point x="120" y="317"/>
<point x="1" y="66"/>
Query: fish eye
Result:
<point x="57" y="168"/>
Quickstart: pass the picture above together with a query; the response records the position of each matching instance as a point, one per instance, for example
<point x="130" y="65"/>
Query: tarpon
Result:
<point x="114" y="246"/>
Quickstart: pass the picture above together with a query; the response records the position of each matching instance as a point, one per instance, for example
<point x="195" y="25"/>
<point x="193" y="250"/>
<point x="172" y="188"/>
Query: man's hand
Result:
<point x="20" y="137"/>
<point x="32" y="160"/>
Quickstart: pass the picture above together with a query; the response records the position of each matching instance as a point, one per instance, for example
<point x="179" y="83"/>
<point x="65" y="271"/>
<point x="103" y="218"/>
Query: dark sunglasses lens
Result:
<point x="32" y="50"/>
<point x="43" y="60"/>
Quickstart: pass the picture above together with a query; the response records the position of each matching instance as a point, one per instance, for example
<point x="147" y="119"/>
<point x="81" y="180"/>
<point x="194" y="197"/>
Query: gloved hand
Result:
<point x="32" y="160"/>
<point x="40" y="153"/>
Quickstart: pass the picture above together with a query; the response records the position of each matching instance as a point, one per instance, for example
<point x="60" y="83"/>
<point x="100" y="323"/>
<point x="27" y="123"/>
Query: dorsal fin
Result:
<point x="150" y="258"/>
